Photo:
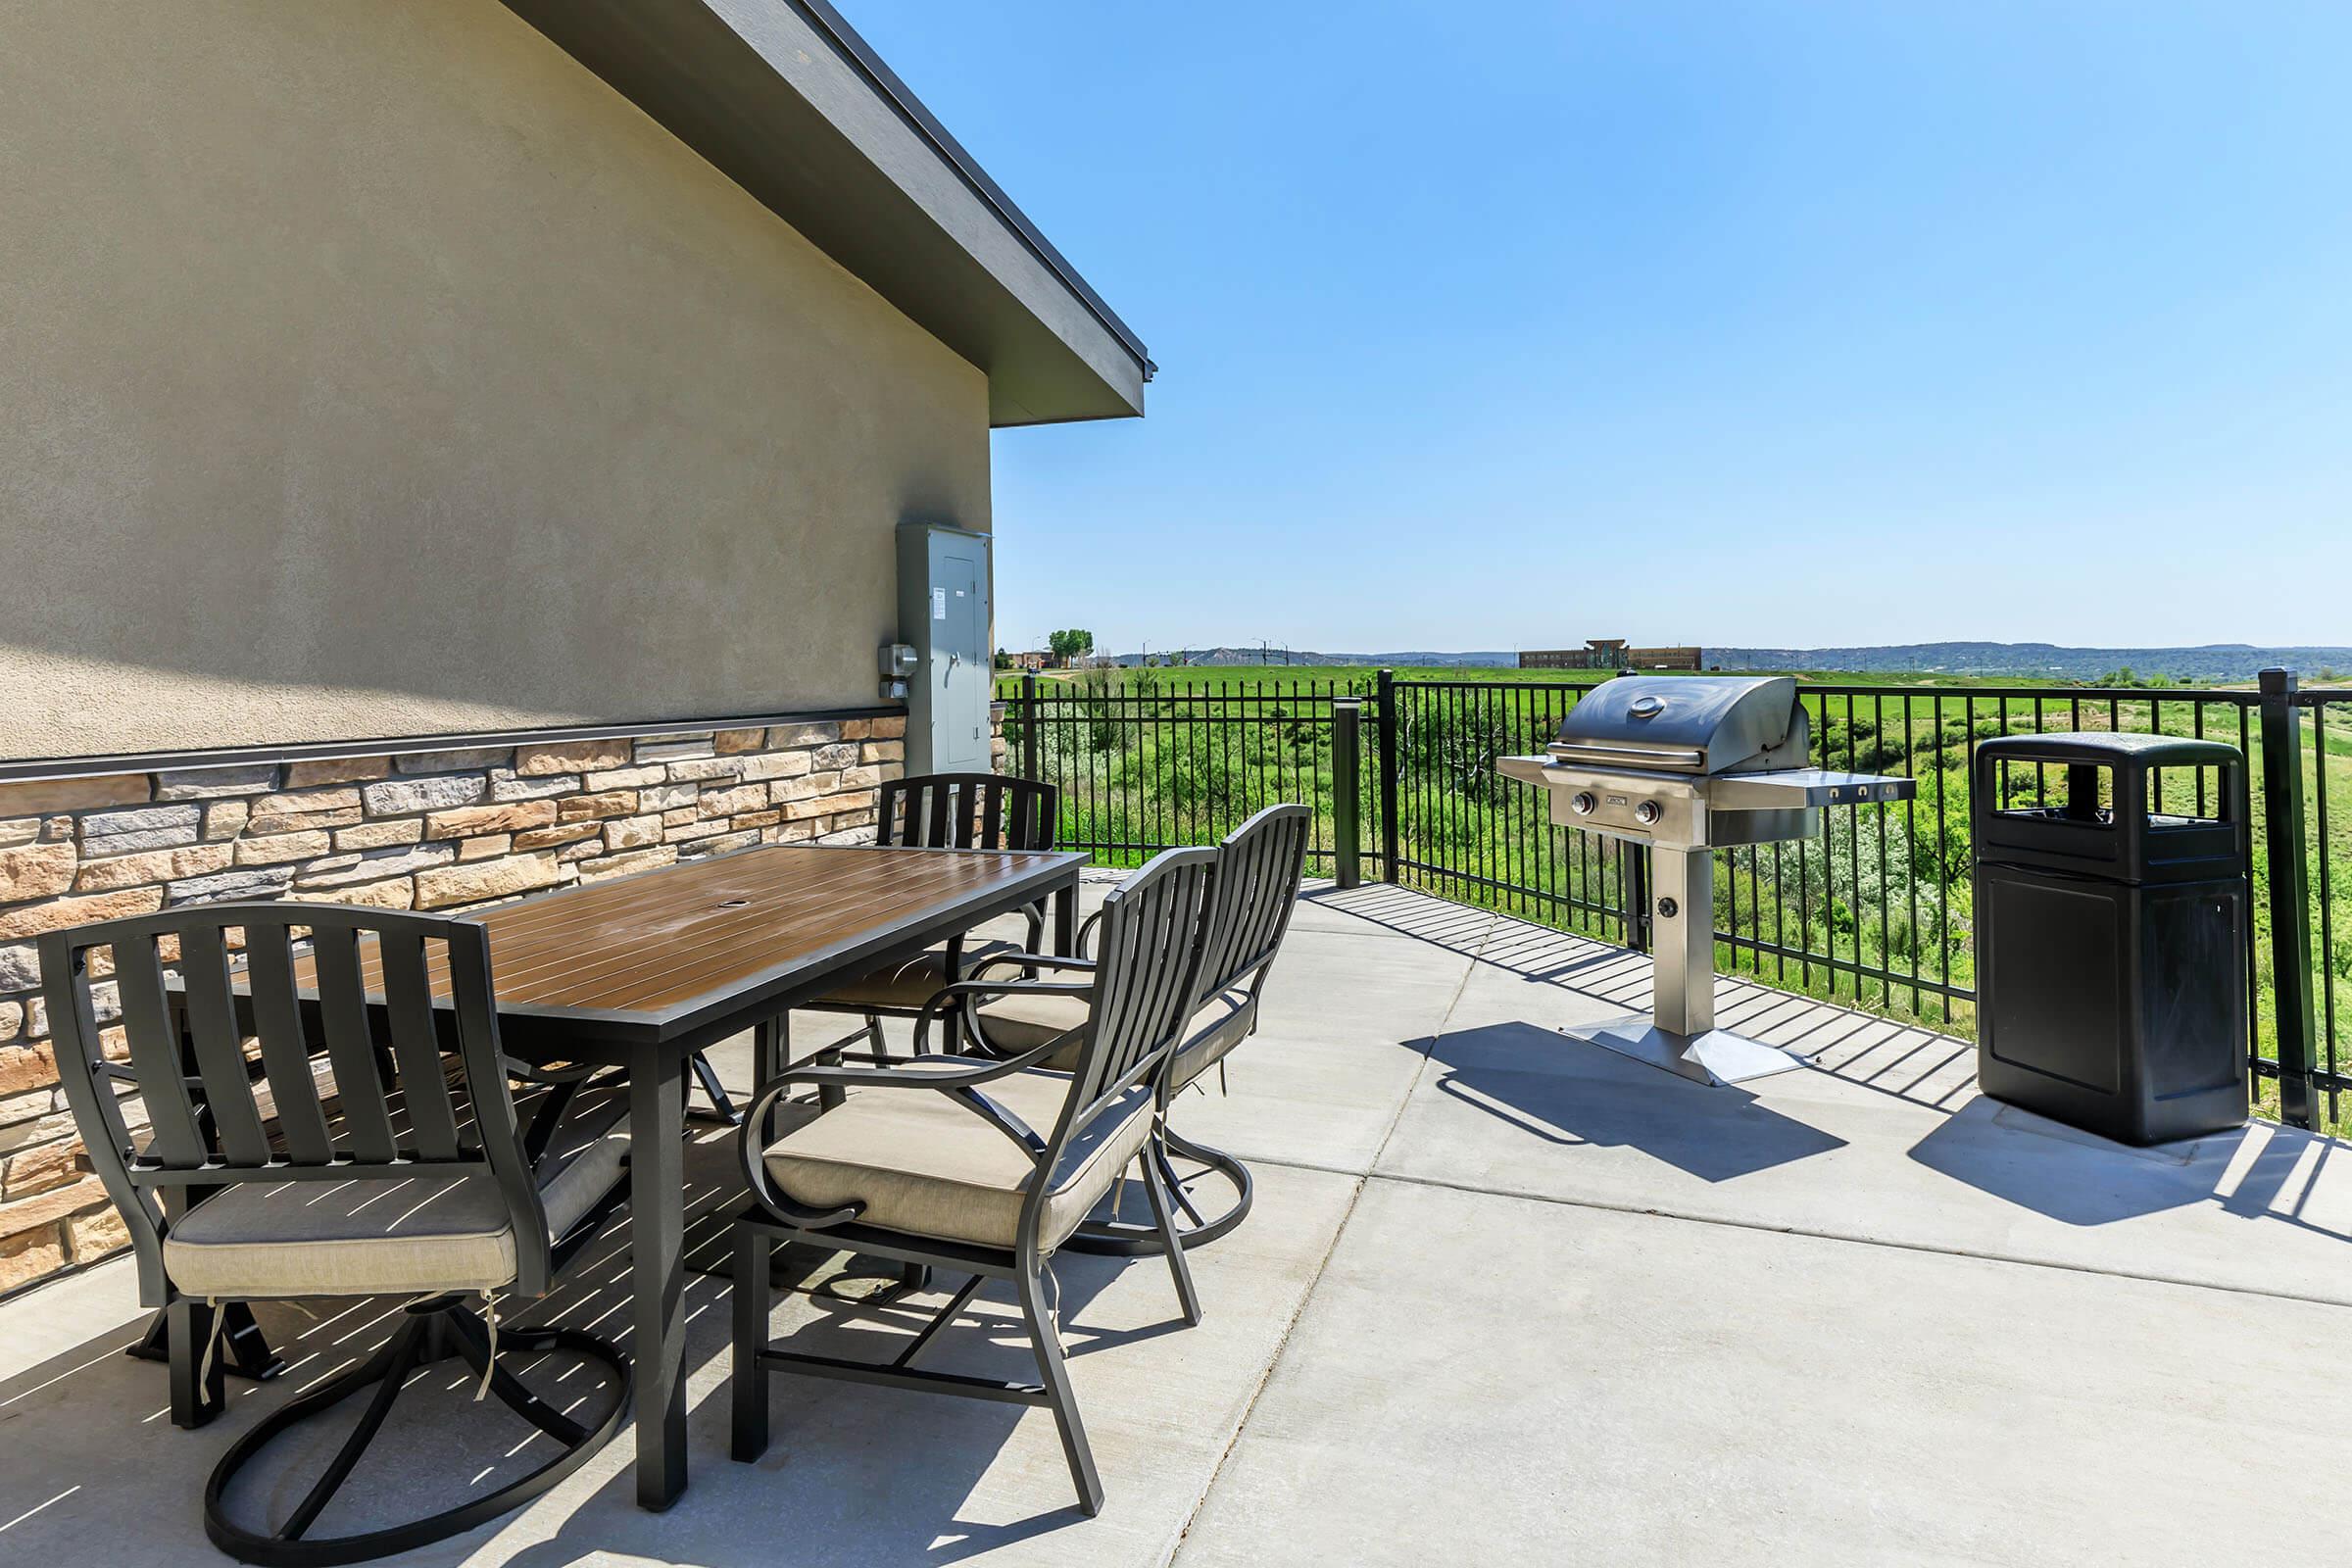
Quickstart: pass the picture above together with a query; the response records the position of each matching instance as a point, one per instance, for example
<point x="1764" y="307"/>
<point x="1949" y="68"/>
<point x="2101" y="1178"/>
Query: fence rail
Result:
<point x="1876" y="909"/>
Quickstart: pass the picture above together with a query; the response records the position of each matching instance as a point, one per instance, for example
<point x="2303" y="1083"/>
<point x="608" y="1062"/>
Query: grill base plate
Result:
<point x="1716" y="1058"/>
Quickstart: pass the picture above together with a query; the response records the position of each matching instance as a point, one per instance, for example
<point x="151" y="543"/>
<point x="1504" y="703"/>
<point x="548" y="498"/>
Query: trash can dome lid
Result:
<point x="2107" y="746"/>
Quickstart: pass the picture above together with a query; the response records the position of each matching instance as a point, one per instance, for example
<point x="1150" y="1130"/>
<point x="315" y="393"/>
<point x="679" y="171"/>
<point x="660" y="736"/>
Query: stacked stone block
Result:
<point x="438" y="831"/>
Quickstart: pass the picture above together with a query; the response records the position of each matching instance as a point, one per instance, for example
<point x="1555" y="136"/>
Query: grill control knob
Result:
<point x="1583" y="803"/>
<point x="1647" y="814"/>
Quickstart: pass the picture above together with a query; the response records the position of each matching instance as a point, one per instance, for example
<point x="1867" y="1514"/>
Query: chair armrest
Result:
<point x="964" y="992"/>
<point x="1031" y="961"/>
<point x="957" y="1077"/>
<point x="929" y="1070"/>
<point x="773" y="1199"/>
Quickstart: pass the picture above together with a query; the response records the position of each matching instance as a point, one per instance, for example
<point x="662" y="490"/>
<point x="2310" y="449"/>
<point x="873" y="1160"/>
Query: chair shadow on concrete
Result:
<point x="2259" y="1171"/>
<point x="857" y="1475"/>
<point x="98" y="1473"/>
<point x="1564" y="1091"/>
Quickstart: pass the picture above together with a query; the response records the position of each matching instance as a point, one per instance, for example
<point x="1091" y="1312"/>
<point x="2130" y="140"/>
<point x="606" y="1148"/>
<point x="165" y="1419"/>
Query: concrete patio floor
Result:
<point x="1503" y="1297"/>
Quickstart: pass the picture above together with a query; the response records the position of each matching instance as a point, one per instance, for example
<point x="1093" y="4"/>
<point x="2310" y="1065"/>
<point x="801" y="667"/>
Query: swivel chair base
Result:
<point x="1117" y="1238"/>
<point x="435" y="1330"/>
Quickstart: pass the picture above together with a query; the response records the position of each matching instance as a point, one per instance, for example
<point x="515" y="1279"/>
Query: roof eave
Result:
<point x="784" y="98"/>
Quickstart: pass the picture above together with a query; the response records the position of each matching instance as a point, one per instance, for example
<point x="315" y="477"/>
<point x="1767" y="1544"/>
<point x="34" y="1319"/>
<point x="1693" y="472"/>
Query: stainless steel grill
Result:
<point x="1687" y="764"/>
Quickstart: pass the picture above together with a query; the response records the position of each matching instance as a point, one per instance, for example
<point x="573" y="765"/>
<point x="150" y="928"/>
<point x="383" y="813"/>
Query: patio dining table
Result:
<point x="642" y="971"/>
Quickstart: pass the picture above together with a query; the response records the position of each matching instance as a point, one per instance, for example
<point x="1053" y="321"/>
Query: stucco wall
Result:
<point x="373" y="369"/>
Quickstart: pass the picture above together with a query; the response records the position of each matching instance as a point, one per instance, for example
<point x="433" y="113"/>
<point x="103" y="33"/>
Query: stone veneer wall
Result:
<point x="426" y="830"/>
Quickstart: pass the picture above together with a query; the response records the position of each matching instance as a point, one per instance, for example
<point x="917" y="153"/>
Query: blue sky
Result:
<point x="1487" y="325"/>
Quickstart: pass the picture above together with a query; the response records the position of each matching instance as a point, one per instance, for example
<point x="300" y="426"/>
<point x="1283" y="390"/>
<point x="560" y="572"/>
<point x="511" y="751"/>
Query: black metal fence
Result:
<point x="1875" y="911"/>
<point x="1144" y="769"/>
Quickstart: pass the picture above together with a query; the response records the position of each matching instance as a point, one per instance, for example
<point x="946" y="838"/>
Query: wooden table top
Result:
<point x="656" y="950"/>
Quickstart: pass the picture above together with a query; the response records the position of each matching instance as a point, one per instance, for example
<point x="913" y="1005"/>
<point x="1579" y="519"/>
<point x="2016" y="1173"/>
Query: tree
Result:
<point x="1069" y="647"/>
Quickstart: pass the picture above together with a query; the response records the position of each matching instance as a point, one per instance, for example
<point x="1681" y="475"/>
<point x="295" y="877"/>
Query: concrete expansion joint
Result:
<point x="1266" y="1373"/>
<point x="1857" y="1239"/>
<point x="1339" y="1234"/>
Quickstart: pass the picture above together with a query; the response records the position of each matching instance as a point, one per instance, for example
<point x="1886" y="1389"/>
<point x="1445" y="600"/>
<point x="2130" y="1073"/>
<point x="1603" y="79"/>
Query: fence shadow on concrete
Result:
<point x="1880" y="1054"/>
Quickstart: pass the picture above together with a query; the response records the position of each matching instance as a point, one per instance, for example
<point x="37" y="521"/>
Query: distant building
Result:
<point x="1598" y="653"/>
<point x="1034" y="659"/>
<point x="1611" y="653"/>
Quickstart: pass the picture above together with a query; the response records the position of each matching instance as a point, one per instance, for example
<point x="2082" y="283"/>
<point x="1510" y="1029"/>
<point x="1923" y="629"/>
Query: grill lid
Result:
<point x="1687" y="725"/>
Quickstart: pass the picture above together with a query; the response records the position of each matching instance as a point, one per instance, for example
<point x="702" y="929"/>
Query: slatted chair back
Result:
<point x="967" y="811"/>
<point x="1258" y="865"/>
<point x="1148" y="962"/>
<point x="397" y="1111"/>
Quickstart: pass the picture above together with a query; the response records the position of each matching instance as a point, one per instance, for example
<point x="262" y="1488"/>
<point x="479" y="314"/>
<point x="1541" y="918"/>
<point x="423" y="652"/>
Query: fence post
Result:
<point x="1386" y="723"/>
<point x="1346" y="751"/>
<point x="1030" y="768"/>
<point x="2290" y="907"/>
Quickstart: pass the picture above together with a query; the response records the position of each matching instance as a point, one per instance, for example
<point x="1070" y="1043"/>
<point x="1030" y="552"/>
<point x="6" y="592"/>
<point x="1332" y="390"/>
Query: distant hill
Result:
<point x="1300" y="656"/>
<point x="2212" y="661"/>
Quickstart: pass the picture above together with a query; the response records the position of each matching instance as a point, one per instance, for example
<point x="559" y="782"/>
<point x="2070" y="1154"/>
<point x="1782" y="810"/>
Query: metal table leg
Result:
<point x="772" y="1048"/>
<point x="1065" y="918"/>
<point x="656" y="1239"/>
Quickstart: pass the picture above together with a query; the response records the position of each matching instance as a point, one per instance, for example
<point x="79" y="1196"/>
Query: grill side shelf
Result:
<point x="1526" y="769"/>
<point x="1805" y="786"/>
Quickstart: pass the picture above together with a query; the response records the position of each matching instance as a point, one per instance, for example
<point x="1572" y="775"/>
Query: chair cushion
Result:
<point x="926" y="1165"/>
<point x="1219" y="1024"/>
<point x="586" y="1158"/>
<point x="906" y="985"/>
<point x="1025" y="1020"/>
<point x="397" y="1236"/>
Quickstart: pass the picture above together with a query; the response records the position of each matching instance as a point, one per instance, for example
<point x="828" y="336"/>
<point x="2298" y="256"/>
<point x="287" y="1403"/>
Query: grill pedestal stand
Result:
<point x="1684" y="766"/>
<point x="1678" y="1034"/>
<point x="1718" y="1056"/>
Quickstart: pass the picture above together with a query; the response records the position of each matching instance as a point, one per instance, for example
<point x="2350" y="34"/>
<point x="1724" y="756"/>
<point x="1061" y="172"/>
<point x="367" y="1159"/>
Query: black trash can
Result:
<point x="2110" y="930"/>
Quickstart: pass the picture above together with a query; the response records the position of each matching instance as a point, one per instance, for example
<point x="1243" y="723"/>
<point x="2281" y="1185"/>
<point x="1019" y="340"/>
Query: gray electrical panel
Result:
<point x="943" y="613"/>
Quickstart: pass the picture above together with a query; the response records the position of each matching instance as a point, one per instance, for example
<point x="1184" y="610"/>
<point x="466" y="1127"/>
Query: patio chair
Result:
<point x="255" y="1179"/>
<point x="979" y="1166"/>
<point x="1258" y="865"/>
<point x="943" y="810"/>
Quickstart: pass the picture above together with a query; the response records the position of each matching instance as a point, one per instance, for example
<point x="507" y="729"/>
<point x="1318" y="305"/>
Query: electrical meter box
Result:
<point x="943" y="615"/>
